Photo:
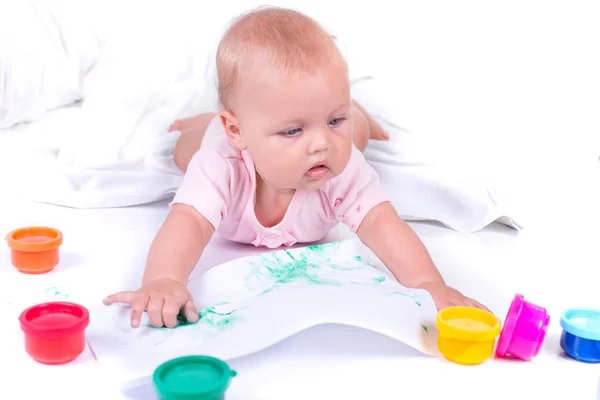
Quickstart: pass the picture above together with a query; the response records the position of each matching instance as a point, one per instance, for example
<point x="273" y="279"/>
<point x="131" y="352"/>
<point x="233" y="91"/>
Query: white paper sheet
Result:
<point x="254" y="302"/>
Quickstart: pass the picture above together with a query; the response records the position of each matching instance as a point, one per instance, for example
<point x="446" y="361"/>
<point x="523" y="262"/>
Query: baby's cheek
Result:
<point x="280" y="166"/>
<point x="342" y="158"/>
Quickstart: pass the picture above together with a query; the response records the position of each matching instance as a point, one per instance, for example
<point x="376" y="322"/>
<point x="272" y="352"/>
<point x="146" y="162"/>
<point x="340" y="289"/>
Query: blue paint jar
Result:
<point x="580" y="338"/>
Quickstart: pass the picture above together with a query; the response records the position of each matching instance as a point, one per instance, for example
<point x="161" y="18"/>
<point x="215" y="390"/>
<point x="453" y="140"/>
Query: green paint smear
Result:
<point x="182" y="321"/>
<point x="409" y="295"/>
<point x="309" y="265"/>
<point x="56" y="292"/>
<point x="284" y="268"/>
<point x="208" y="318"/>
<point x="364" y="260"/>
<point x="425" y="328"/>
<point x="324" y="248"/>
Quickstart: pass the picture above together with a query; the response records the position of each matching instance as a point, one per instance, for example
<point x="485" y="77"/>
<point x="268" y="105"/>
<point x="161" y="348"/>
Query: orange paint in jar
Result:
<point x="34" y="250"/>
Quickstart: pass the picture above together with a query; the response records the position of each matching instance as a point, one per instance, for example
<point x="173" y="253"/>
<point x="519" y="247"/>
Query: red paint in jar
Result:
<point x="55" y="331"/>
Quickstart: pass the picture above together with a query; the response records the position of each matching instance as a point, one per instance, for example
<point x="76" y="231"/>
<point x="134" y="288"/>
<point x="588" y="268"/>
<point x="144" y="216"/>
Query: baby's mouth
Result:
<point x="318" y="171"/>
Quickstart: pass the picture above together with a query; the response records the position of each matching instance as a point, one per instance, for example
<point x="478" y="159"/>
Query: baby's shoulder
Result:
<point x="216" y="169"/>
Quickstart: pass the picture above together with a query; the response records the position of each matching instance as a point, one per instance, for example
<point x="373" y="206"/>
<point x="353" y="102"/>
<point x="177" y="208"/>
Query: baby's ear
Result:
<point x="230" y="123"/>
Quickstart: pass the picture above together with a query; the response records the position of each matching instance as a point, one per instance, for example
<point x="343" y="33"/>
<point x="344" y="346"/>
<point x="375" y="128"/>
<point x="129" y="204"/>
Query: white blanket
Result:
<point x="45" y="53"/>
<point x="112" y="149"/>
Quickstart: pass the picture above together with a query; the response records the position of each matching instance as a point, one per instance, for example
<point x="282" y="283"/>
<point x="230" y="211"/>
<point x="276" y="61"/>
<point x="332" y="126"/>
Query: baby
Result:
<point x="277" y="166"/>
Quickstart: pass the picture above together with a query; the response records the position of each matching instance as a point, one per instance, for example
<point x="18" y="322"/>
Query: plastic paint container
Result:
<point x="466" y="335"/>
<point x="580" y="338"/>
<point x="34" y="250"/>
<point x="192" y="377"/>
<point x="524" y="330"/>
<point x="55" y="331"/>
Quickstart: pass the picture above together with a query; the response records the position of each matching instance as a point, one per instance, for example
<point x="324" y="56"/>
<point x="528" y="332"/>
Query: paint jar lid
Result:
<point x="34" y="239"/>
<point x="582" y="322"/>
<point x="192" y="377"/>
<point x="467" y="323"/>
<point x="54" y="319"/>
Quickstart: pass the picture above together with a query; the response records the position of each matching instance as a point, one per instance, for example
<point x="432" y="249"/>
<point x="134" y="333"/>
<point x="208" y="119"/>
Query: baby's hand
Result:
<point x="445" y="296"/>
<point x="164" y="299"/>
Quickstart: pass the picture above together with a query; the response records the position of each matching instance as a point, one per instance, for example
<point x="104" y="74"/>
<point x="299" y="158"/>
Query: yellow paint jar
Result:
<point x="466" y="335"/>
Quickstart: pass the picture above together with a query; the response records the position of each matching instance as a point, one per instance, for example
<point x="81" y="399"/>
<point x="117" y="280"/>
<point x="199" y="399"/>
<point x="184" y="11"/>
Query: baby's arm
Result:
<point x="196" y="211"/>
<point x="173" y="254"/>
<point x="178" y="245"/>
<point x="359" y="201"/>
<point x="400" y="249"/>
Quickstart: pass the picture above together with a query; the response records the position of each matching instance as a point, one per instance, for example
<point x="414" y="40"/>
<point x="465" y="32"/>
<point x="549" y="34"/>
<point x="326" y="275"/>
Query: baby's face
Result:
<point x="297" y="128"/>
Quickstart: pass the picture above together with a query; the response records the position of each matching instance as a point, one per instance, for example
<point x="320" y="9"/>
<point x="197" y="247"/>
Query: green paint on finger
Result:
<point x="209" y="318"/>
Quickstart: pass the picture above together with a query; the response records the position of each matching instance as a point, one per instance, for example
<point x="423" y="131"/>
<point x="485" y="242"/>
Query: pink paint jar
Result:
<point x="524" y="330"/>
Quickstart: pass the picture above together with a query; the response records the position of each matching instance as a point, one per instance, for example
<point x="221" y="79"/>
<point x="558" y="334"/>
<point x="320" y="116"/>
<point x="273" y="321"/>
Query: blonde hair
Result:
<point x="281" y="39"/>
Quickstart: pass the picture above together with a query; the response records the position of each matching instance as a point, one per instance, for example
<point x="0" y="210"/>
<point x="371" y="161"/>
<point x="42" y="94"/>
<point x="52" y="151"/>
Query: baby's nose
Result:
<point x="319" y="143"/>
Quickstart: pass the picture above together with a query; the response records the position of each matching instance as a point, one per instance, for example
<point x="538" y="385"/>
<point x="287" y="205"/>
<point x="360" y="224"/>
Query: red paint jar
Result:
<point x="55" y="331"/>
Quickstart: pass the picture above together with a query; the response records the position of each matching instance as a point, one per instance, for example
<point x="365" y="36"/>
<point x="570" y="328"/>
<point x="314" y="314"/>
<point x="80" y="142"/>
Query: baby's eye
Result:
<point x="292" y="132"/>
<point x="336" y="121"/>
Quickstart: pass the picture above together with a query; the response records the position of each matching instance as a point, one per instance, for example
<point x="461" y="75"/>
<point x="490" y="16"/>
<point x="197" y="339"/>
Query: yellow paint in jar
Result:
<point x="467" y="335"/>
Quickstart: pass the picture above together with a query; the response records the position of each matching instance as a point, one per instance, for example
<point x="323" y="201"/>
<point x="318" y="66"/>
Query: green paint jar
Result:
<point x="192" y="378"/>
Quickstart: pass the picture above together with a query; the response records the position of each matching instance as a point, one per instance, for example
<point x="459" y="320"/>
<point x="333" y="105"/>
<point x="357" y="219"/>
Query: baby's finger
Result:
<point x="441" y="304"/>
<point x="170" y="310"/>
<point x="476" y="304"/>
<point x="137" y="308"/>
<point x="155" y="308"/>
<point x="479" y="305"/>
<point x="126" y="297"/>
<point x="190" y="311"/>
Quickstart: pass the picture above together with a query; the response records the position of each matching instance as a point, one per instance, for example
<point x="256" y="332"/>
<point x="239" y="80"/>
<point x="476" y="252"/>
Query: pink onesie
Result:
<point x="220" y="183"/>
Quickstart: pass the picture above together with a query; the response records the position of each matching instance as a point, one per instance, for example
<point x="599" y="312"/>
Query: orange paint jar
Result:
<point x="34" y="250"/>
